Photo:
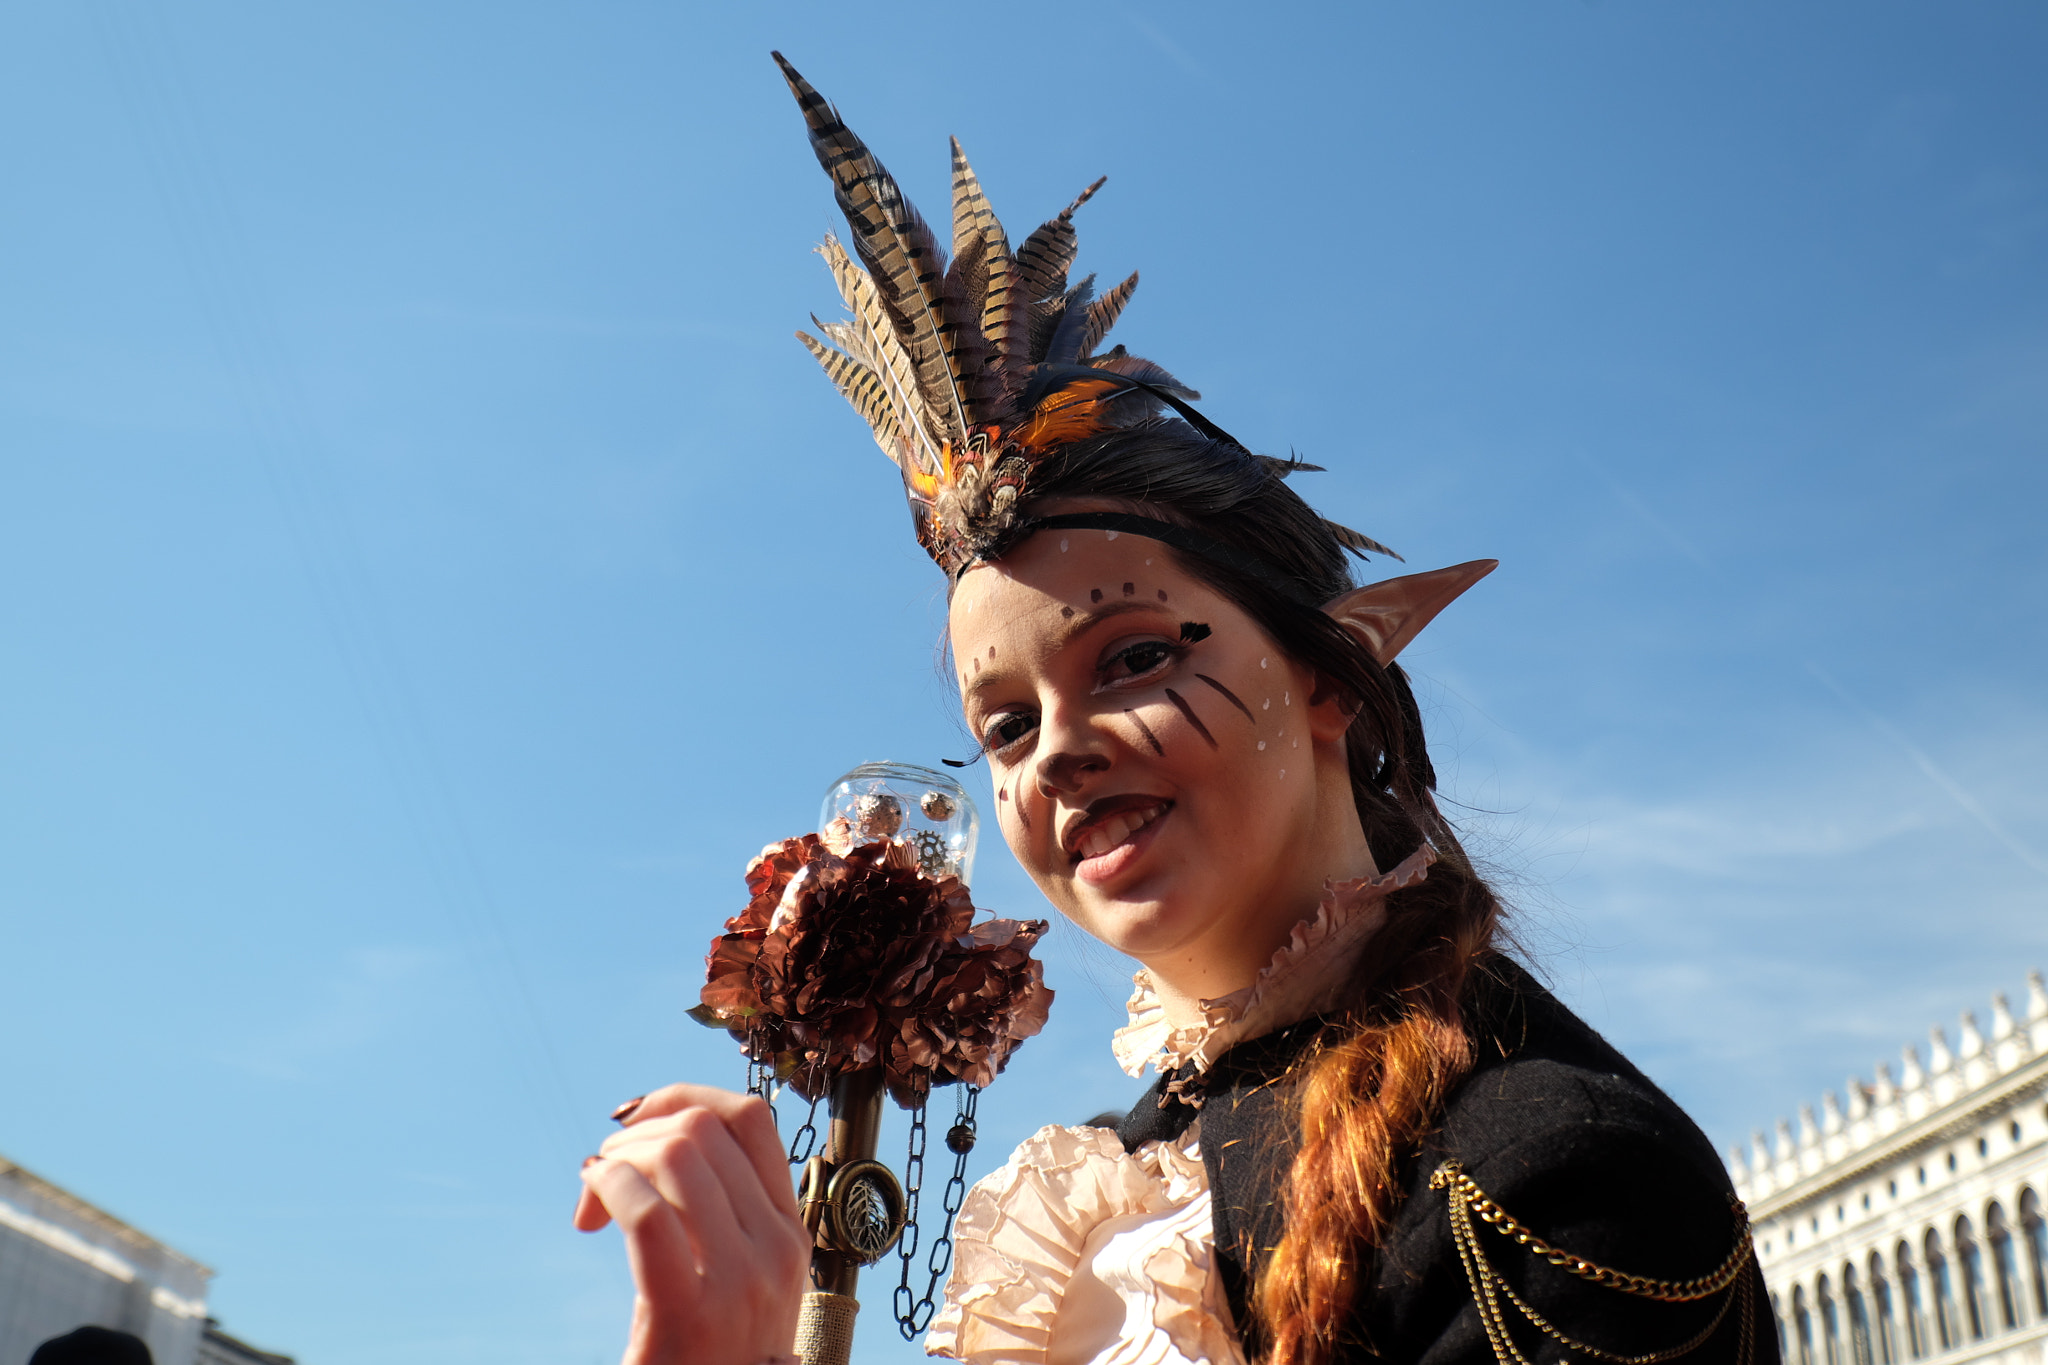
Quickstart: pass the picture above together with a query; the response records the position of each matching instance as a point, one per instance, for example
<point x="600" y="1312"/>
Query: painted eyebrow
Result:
<point x="1075" y="625"/>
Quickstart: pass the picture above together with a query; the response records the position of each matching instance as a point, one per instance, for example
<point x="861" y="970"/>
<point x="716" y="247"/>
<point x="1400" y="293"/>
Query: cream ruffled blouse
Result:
<point x="1077" y="1252"/>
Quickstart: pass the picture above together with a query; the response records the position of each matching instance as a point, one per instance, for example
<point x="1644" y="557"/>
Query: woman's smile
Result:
<point x="1111" y="833"/>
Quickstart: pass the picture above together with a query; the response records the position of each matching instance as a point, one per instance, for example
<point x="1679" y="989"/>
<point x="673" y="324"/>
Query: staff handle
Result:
<point x="824" y="1326"/>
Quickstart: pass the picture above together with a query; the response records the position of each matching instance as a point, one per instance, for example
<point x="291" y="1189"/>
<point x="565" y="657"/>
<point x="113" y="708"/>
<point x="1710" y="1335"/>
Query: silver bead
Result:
<point x="878" y="816"/>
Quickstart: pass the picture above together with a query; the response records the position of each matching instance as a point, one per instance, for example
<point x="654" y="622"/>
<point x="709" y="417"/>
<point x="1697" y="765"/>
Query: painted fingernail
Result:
<point x="590" y="1161"/>
<point x="626" y="1111"/>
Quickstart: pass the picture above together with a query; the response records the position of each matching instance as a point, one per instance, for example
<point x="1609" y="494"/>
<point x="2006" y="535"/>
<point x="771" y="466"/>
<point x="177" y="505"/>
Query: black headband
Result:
<point x="1184" y="538"/>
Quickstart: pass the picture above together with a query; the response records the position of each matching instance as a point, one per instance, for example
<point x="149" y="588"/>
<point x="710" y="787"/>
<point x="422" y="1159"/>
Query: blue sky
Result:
<point x="435" y="569"/>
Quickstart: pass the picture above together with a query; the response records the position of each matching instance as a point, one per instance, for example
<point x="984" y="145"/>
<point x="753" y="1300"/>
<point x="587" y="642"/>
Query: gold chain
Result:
<point x="1467" y="1199"/>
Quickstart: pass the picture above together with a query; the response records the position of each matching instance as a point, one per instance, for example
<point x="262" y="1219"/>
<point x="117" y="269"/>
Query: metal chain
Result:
<point x="1451" y="1177"/>
<point x="1466" y="1198"/>
<point x="804" y="1140"/>
<point x="913" y="1317"/>
<point x="761" y="1081"/>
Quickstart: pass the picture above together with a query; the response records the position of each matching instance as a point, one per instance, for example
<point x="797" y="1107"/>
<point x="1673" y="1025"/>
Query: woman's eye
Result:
<point x="1137" y="659"/>
<point x="1004" y="730"/>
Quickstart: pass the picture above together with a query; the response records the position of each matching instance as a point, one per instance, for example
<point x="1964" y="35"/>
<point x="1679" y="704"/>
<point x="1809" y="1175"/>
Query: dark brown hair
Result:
<point x="1370" y="1088"/>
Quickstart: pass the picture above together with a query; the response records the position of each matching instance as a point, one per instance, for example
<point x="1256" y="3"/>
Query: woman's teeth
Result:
<point x="1114" y="831"/>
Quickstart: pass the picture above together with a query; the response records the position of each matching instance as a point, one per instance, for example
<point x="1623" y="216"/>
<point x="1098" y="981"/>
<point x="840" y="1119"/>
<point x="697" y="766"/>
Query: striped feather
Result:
<point x="1102" y="314"/>
<point x="862" y="387"/>
<point x="973" y="214"/>
<point x="904" y="260"/>
<point x="886" y="355"/>
<point x="1048" y="253"/>
<point x="1359" y="545"/>
<point x="847" y="338"/>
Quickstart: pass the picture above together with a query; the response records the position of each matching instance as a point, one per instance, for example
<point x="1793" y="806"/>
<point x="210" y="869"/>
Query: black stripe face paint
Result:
<point x="1229" y="696"/>
<point x="1146" y="731"/>
<point x="1181" y="704"/>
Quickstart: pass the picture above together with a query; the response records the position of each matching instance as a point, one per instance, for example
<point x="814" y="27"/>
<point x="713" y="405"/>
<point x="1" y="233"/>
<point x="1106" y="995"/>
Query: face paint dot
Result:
<point x="991" y="651"/>
<point x="1296" y="743"/>
<point x="1112" y="535"/>
<point x="1148" y="561"/>
<point x="1003" y="795"/>
<point x="1287" y="699"/>
<point x="1162" y="594"/>
<point x="1262" y="663"/>
<point x="1063" y="544"/>
<point x="1130" y="588"/>
<point x="1262" y="746"/>
<point x="977" y="665"/>
<point x="1067" y="612"/>
<point x="1094" y="594"/>
<point x="1267" y="705"/>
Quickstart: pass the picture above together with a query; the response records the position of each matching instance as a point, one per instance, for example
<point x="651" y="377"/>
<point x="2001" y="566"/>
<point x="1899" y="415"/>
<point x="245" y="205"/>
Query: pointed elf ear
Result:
<point x="1387" y="615"/>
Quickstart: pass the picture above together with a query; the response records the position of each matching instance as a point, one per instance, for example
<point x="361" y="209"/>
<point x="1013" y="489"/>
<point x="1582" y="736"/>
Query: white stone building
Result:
<point x="65" y="1264"/>
<point x="1907" y="1224"/>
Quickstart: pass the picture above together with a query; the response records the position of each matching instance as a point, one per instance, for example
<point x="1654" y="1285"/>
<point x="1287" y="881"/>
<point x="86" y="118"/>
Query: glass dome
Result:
<point x="919" y="806"/>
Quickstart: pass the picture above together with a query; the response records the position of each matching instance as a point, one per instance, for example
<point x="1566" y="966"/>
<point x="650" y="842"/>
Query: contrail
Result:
<point x="1933" y="771"/>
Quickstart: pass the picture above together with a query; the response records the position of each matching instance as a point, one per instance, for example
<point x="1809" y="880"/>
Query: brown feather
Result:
<point x="886" y="354"/>
<point x="1048" y="253"/>
<point x="1102" y="314"/>
<point x="972" y="215"/>
<point x="903" y="259"/>
<point x="1359" y="544"/>
<point x="863" y="389"/>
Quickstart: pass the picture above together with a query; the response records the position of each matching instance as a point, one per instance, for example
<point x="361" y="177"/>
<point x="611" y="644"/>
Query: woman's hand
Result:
<point x="699" y="1184"/>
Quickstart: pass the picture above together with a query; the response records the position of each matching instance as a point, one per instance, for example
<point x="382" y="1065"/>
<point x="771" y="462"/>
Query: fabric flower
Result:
<point x="846" y="958"/>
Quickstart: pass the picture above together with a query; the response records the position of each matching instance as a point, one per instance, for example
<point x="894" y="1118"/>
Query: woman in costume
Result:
<point x="1371" y="1134"/>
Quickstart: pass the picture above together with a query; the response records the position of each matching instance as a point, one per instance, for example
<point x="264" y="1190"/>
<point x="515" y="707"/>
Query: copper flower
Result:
<point x="842" y="961"/>
<point x="988" y="995"/>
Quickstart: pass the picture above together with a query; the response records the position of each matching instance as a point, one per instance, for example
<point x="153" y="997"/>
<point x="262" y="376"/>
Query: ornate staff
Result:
<point x="857" y="970"/>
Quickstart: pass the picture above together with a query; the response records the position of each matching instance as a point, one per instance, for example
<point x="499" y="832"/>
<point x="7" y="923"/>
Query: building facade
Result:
<point x="1907" y="1222"/>
<point x="66" y="1264"/>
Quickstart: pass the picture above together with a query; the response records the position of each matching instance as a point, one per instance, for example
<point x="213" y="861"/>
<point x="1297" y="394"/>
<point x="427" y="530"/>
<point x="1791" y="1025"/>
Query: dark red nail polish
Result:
<point x="590" y="1161"/>
<point x="626" y="1111"/>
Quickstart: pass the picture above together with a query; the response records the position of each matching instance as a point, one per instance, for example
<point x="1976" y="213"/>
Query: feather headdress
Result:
<point x="970" y="369"/>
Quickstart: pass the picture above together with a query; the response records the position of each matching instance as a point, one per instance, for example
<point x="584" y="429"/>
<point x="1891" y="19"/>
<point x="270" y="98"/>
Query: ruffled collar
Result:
<point x="1305" y="976"/>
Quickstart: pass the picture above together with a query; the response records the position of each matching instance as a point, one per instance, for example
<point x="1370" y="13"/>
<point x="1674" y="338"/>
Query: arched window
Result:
<point x="1830" y="1323"/>
<point x="1975" y="1308"/>
<point x="1912" y="1304"/>
<point x="1859" y="1319"/>
<point x="2035" y="1229"/>
<point x="1778" y="1318"/>
<point x="2011" y="1297"/>
<point x="1802" y="1324"/>
<point x="1885" y="1330"/>
<point x="1942" y="1290"/>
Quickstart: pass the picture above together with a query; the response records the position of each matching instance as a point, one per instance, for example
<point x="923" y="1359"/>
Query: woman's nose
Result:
<point x="1065" y="772"/>
<point x="1071" y="753"/>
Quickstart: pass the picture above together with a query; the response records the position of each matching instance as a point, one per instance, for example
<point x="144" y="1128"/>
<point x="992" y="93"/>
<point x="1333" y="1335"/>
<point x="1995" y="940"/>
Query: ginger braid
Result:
<point x="1369" y="1094"/>
<point x="1374" y="1083"/>
<point x="1372" y="1086"/>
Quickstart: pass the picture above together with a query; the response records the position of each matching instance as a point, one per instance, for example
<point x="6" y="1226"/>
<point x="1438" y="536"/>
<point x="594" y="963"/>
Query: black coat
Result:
<point x="1558" y="1129"/>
